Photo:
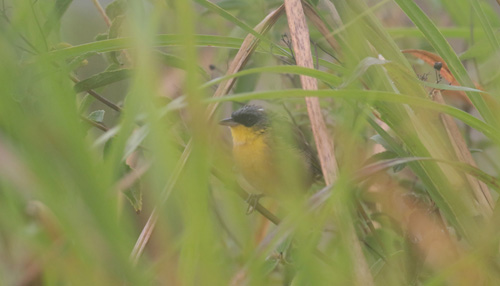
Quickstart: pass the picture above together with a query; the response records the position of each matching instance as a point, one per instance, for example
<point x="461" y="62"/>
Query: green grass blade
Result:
<point x="126" y="43"/>
<point x="485" y="24"/>
<point x="372" y="95"/>
<point x="321" y="75"/>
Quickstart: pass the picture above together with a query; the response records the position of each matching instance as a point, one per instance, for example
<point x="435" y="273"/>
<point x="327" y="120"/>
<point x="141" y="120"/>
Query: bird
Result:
<point x="272" y="154"/>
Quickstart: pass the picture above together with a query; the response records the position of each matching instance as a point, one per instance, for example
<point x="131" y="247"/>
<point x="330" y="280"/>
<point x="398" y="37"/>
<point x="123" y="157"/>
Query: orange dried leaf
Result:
<point x="431" y="59"/>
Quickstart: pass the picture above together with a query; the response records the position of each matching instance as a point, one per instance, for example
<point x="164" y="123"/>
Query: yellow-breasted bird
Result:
<point x="271" y="164"/>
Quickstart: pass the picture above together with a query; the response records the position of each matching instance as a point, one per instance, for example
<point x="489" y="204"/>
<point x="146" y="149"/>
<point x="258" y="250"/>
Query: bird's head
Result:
<point x="247" y="123"/>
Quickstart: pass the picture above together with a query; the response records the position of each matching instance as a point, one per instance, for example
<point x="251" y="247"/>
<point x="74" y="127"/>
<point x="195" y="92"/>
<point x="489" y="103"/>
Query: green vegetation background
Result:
<point x="103" y="127"/>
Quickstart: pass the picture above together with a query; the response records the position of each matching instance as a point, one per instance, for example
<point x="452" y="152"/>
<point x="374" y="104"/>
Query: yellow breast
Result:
<point x="253" y="157"/>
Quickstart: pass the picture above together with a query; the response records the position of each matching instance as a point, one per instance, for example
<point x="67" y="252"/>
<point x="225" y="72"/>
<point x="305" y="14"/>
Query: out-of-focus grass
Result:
<point x="78" y="185"/>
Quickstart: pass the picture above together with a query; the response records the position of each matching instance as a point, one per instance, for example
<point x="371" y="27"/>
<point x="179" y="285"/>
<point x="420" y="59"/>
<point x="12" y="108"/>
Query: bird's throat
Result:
<point x="243" y="135"/>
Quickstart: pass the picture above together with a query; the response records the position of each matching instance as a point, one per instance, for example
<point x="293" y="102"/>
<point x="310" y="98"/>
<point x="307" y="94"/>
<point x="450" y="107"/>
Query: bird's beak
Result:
<point x="228" y="122"/>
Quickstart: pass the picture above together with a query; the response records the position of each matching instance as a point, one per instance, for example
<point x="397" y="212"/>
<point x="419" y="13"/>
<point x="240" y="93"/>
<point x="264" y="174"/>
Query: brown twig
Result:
<point x="98" y="96"/>
<point x="102" y="12"/>
<point x="153" y="218"/>
<point x="144" y="237"/>
<point x="480" y="189"/>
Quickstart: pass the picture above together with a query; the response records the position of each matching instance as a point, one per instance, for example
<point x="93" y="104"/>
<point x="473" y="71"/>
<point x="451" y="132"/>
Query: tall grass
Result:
<point x="113" y="170"/>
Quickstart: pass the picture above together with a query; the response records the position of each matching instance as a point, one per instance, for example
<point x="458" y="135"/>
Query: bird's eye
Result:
<point x="249" y="120"/>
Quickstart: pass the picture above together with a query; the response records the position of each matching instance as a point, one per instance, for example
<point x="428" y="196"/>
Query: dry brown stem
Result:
<point x="300" y="38"/>
<point x="480" y="189"/>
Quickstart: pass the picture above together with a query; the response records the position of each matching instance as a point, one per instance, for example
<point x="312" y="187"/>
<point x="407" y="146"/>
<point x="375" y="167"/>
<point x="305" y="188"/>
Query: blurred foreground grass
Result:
<point x="113" y="171"/>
